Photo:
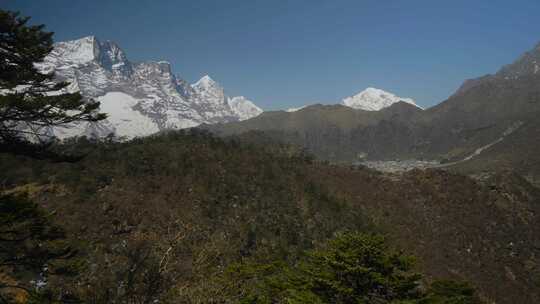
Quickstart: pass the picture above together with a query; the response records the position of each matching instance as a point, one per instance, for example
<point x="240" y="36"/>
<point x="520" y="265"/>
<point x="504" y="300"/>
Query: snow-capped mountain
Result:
<point x="372" y="99"/>
<point x="139" y="98"/>
<point x="243" y="108"/>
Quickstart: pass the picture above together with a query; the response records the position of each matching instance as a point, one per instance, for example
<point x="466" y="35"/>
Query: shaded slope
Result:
<point x="478" y="114"/>
<point x="486" y="232"/>
<point x="195" y="203"/>
<point x="519" y="152"/>
<point x="336" y="132"/>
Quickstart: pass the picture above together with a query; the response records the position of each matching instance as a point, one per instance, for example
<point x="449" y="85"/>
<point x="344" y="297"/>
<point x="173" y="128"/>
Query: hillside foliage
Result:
<point x="159" y="218"/>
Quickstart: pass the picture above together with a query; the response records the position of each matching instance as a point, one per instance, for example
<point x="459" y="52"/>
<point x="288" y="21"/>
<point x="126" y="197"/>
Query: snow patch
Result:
<point x="125" y="120"/>
<point x="290" y="110"/>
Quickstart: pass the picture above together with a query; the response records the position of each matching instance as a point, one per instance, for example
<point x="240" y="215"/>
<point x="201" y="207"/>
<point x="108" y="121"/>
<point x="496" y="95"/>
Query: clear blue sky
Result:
<point x="288" y="53"/>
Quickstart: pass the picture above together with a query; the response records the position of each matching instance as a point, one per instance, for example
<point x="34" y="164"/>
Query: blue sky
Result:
<point x="288" y="53"/>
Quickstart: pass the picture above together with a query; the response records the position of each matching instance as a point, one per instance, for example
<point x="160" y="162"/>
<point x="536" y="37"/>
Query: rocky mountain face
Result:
<point x="526" y="66"/>
<point x="483" y="115"/>
<point x="140" y="98"/>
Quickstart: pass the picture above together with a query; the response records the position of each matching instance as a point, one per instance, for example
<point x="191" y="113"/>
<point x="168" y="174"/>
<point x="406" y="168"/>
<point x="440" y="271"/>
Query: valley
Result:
<point x="482" y="116"/>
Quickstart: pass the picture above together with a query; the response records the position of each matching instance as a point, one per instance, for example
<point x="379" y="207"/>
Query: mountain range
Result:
<point x="484" y="115"/>
<point x="141" y="98"/>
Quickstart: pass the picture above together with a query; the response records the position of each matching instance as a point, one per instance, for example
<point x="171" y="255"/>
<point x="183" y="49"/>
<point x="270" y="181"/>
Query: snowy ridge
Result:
<point x="139" y="98"/>
<point x="372" y="99"/>
<point x="290" y="110"/>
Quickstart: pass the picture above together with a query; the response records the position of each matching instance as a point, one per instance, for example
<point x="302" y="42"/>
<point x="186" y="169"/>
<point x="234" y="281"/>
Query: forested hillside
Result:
<point x="181" y="208"/>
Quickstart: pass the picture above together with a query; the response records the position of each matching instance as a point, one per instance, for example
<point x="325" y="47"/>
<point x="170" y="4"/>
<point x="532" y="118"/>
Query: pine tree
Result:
<point x="351" y="268"/>
<point x="28" y="242"/>
<point x="31" y="101"/>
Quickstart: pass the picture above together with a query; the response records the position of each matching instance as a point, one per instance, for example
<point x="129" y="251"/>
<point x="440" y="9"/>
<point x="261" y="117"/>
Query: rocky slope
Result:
<point x="140" y="98"/>
<point x="526" y="65"/>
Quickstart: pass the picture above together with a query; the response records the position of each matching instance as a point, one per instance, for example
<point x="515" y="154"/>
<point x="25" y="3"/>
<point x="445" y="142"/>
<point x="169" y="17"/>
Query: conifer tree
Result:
<point x="29" y="242"/>
<point x="352" y="268"/>
<point x="32" y="101"/>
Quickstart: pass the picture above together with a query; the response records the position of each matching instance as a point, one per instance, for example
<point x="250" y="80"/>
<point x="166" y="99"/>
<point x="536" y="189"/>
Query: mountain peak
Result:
<point x="526" y="65"/>
<point x="78" y="51"/>
<point x="112" y="57"/>
<point x="375" y="90"/>
<point x="209" y="90"/>
<point x="244" y="108"/>
<point x="205" y="81"/>
<point x="373" y="99"/>
<point x="86" y="39"/>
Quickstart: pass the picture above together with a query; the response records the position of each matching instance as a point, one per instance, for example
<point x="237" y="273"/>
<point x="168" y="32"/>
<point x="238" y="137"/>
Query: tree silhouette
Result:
<point x="31" y="102"/>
